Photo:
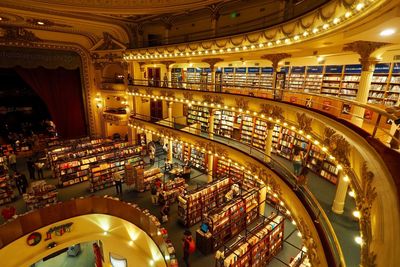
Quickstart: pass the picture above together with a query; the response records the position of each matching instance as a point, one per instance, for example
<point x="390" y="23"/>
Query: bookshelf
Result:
<point x="193" y="204"/>
<point x="296" y="78"/>
<point x="176" y="75"/>
<point x="331" y="80"/>
<point x="6" y="191"/>
<point x="227" y="221"/>
<point x="260" y="134"/>
<point x="393" y="92"/>
<point x="266" y="77"/>
<point x="101" y="173"/>
<point x="350" y="81"/>
<point x="193" y="78"/>
<point x="228" y="76"/>
<point x="253" y="77"/>
<point x="379" y="84"/>
<point x="198" y="114"/>
<point x="315" y="158"/>
<point x="240" y="76"/>
<point x="173" y="188"/>
<point x="40" y="194"/>
<point x="225" y="169"/>
<point x="288" y="140"/>
<point x="198" y="160"/>
<point x="313" y="80"/>
<point x="177" y="150"/>
<point x="275" y="137"/>
<point x="329" y="170"/>
<point x="149" y="176"/>
<point x="224" y="122"/>
<point x="246" y="129"/>
<point x="258" y="246"/>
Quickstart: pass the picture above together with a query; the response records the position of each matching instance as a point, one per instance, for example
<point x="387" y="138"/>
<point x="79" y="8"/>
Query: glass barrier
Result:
<point x="376" y="122"/>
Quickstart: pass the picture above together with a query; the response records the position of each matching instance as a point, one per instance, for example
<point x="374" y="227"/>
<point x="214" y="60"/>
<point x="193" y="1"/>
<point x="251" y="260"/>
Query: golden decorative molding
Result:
<point x="212" y="61"/>
<point x="309" y="242"/>
<point x="216" y="99"/>
<point x="17" y="34"/>
<point x="167" y="63"/>
<point x="365" y="49"/>
<point x="167" y="93"/>
<point x="364" y="200"/>
<point x="274" y="112"/>
<point x="210" y="147"/>
<point x="188" y="95"/>
<point x="168" y="133"/>
<point x="141" y="65"/>
<point x="338" y="145"/>
<point x="241" y="103"/>
<point x="275" y="59"/>
<point x="149" y="91"/>
<point x="304" y="122"/>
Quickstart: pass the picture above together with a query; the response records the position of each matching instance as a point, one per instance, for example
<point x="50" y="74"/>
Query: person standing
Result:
<point x="165" y="80"/>
<point x="12" y="161"/>
<point x="118" y="182"/>
<point x="297" y="161"/>
<point x="154" y="191"/>
<point x="31" y="168"/>
<point x="188" y="246"/>
<point x="164" y="212"/>
<point x="21" y="182"/>
<point x="39" y="167"/>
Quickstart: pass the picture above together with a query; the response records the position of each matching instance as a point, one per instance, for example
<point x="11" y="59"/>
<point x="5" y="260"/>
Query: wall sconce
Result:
<point x="99" y="101"/>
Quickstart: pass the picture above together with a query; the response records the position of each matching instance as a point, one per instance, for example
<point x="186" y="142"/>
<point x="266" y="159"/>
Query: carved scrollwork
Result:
<point x="214" y="148"/>
<point x="188" y="95"/>
<point x="149" y="91"/>
<point x="241" y="103"/>
<point x="304" y="122"/>
<point x="272" y="111"/>
<point x="309" y="242"/>
<point x="338" y="145"/>
<point x="216" y="99"/>
<point x="167" y="93"/>
<point x="364" y="199"/>
<point x="168" y="133"/>
<point x="10" y="33"/>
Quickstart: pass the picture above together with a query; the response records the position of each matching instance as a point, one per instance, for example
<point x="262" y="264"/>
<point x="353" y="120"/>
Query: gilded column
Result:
<point x="268" y="142"/>
<point x="364" y="49"/>
<point x="275" y="59"/>
<point x="170" y="118"/>
<point x="212" y="62"/>
<point x="341" y="193"/>
<point x="211" y="124"/>
<point x="210" y="166"/>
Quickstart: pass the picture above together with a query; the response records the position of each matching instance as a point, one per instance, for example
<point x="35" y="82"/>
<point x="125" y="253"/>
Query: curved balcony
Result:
<point x="22" y="225"/>
<point x="370" y="146"/>
<point x="240" y="153"/>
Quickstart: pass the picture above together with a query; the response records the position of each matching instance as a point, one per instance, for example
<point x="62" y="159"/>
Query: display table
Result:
<point x="40" y="194"/>
<point x="204" y="242"/>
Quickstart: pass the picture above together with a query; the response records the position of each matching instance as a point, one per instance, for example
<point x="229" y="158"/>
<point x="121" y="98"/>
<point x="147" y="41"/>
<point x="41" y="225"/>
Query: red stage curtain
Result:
<point x="61" y="90"/>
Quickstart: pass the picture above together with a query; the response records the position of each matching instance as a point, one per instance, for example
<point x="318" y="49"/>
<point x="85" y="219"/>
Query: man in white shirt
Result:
<point x="118" y="182"/>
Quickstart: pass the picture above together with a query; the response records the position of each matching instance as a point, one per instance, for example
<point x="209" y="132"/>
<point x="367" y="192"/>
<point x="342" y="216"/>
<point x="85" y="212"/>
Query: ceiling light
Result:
<point x="326" y="26"/>
<point x="253" y="46"/>
<point x="358" y="240"/>
<point x="229" y="50"/>
<point x="244" y="47"/>
<point x="213" y="51"/>
<point x="206" y="52"/>
<point x="269" y="44"/>
<point x="40" y="23"/>
<point x="1" y="18"/>
<point x="320" y="59"/>
<point x="236" y="48"/>
<point x="221" y="50"/>
<point x="287" y="41"/>
<point x="305" y="33"/>
<point x="261" y="45"/>
<point x="336" y="20"/>
<point x="352" y="194"/>
<point x="348" y="14"/>
<point x="315" y="30"/>
<point x="296" y="37"/>
<point x="387" y="32"/>
<point x="359" y="6"/>
<point x="278" y="41"/>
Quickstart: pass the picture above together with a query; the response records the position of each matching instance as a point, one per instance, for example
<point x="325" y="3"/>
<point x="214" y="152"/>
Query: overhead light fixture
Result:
<point x="359" y="6"/>
<point x="40" y="23"/>
<point x="387" y="32"/>
<point x="348" y="14"/>
<point x="358" y="240"/>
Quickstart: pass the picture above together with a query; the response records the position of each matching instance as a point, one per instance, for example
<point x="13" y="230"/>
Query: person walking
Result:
<point x="31" y="168"/>
<point x="21" y="182"/>
<point x="164" y="212"/>
<point x="118" y="182"/>
<point x="188" y="246"/>
<point x="39" y="167"/>
<point x="12" y="161"/>
<point x="153" y="192"/>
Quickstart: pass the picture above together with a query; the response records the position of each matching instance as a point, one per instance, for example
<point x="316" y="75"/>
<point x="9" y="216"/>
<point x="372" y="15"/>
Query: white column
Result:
<point x="169" y="151"/>
<point x="211" y="124"/>
<point x="363" y="89"/>
<point x="341" y="193"/>
<point x="268" y="142"/>
<point x="210" y="166"/>
<point x="170" y="118"/>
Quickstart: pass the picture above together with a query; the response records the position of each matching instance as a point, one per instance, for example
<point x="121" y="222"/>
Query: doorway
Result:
<point x="156" y="110"/>
<point x="154" y="76"/>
